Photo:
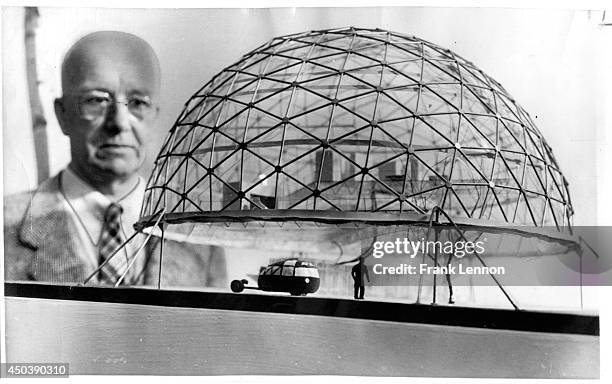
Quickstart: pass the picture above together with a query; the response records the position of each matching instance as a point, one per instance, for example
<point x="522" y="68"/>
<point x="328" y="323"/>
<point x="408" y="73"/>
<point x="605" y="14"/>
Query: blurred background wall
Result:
<point x="556" y="63"/>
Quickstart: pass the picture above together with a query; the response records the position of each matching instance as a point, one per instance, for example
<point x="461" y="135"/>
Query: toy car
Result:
<point x="297" y="277"/>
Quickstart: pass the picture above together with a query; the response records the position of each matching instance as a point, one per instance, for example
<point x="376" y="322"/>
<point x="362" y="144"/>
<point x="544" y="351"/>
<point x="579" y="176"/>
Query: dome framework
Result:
<point x="356" y="124"/>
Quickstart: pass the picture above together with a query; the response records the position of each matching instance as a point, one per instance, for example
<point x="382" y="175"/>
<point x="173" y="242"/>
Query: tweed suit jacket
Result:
<point x="38" y="246"/>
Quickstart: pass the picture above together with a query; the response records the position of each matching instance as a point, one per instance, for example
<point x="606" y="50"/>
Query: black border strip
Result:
<point x="529" y="321"/>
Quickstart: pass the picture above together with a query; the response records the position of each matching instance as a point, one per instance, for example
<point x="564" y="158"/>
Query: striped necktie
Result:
<point x="110" y="240"/>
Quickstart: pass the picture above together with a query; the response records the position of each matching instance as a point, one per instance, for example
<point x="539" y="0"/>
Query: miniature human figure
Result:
<point x="73" y="222"/>
<point x="358" y="272"/>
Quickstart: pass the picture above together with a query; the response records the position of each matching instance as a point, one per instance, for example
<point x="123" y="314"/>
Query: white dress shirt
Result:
<point x="86" y="207"/>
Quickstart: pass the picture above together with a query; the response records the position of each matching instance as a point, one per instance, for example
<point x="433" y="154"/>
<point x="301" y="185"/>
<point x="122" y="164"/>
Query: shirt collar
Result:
<point x="90" y="204"/>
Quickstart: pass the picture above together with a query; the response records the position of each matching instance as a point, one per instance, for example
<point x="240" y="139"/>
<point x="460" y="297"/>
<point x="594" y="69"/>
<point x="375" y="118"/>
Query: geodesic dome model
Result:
<point x="355" y="125"/>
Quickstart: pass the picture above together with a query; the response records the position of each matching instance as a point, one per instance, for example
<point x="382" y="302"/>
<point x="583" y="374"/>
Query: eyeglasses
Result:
<point x="95" y="105"/>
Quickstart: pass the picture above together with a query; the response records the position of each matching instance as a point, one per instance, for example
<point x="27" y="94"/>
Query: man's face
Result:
<point x="107" y="110"/>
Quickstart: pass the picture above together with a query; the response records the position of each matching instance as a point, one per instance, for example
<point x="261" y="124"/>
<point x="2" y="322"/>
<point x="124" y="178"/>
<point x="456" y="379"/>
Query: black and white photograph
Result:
<point x="326" y="191"/>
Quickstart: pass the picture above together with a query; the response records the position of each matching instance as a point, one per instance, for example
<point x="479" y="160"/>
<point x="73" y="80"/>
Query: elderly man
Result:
<point x="73" y="222"/>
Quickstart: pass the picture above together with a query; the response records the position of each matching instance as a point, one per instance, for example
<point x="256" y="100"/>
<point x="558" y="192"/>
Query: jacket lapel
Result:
<point x="46" y="229"/>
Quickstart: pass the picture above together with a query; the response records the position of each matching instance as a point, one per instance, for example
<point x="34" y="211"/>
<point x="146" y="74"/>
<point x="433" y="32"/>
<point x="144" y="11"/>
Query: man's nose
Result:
<point x="118" y="117"/>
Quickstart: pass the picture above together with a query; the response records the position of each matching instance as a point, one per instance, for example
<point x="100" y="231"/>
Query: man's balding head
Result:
<point x="99" y="48"/>
<point x="110" y="86"/>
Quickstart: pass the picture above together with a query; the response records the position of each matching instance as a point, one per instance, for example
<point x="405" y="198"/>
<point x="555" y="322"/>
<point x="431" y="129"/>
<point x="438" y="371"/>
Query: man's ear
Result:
<point x="60" y="114"/>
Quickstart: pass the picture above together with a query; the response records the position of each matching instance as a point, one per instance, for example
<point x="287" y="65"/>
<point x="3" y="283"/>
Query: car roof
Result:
<point x="294" y="262"/>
